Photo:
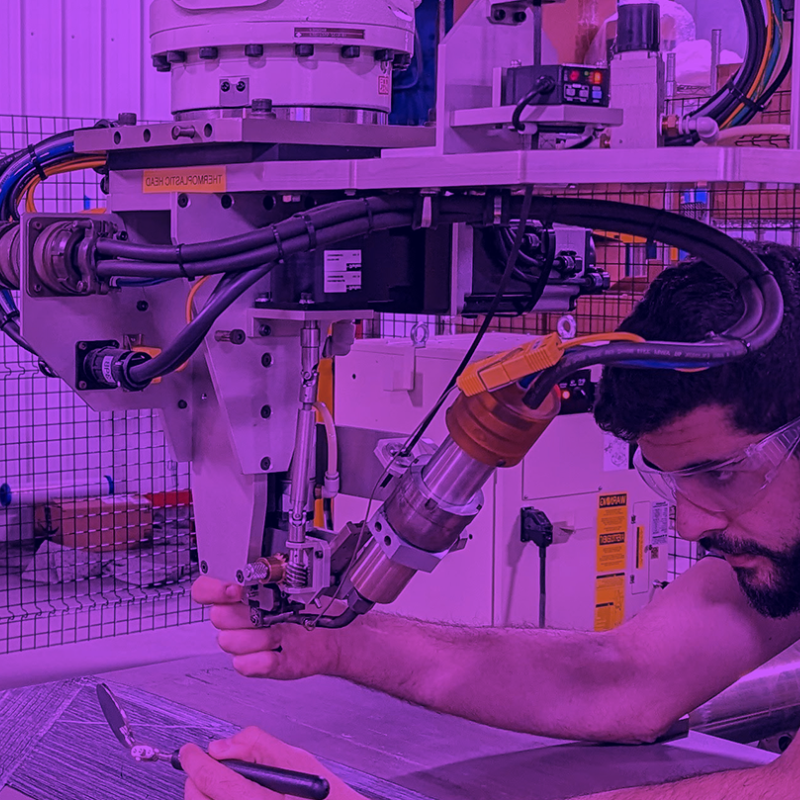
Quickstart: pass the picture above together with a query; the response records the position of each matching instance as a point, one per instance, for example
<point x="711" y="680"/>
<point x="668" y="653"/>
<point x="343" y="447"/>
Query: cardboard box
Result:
<point x="119" y="522"/>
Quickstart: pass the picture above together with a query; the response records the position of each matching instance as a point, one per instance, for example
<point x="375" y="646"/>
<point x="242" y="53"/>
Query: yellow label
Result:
<point x="198" y="180"/>
<point x="609" y="601"/>
<point x="639" y="547"/>
<point x="612" y="525"/>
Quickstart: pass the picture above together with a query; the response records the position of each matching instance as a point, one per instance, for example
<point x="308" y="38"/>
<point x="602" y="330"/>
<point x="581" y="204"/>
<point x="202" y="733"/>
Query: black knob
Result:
<point x="304" y="50"/>
<point x="351" y="51"/>
<point x="176" y="56"/>
<point x="254" y="50"/>
<point x="209" y="53"/>
<point x="261" y="105"/>
<point x="161" y="64"/>
<point x="402" y="61"/>
<point x="126" y="118"/>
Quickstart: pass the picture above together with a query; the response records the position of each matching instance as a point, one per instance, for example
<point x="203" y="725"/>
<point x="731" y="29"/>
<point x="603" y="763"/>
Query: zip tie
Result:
<point x="181" y="265"/>
<point x="311" y="231"/>
<point x="743" y="98"/>
<point x="279" y="245"/>
<point x="370" y="216"/>
<point x="37" y="165"/>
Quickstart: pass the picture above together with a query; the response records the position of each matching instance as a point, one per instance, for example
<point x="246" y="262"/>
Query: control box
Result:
<point x="576" y="84"/>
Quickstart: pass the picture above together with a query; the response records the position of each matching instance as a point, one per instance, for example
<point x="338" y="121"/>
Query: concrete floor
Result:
<point x="440" y="757"/>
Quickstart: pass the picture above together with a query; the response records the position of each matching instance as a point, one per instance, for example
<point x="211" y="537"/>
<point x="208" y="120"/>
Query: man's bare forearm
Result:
<point x="759" y="783"/>
<point x="566" y="685"/>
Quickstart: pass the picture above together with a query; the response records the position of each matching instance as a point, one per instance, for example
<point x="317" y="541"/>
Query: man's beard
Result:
<point x="779" y="596"/>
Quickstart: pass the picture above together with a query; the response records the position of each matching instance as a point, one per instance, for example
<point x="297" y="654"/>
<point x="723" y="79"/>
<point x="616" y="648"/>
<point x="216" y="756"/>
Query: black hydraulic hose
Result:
<point x="321" y="217"/>
<point x="191" y="337"/>
<point x="545" y="85"/>
<point x="300" y="243"/>
<point x="342" y="621"/>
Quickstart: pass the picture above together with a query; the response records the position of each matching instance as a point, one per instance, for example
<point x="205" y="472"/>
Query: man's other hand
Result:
<point x="282" y="652"/>
<point x="210" y="780"/>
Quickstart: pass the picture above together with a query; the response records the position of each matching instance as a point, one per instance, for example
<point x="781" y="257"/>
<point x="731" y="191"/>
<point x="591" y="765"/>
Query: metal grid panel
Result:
<point x="753" y="212"/>
<point x="77" y="563"/>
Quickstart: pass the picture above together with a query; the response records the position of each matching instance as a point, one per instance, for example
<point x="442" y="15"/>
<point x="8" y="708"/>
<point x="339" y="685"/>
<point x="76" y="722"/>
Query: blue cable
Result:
<point x="9" y="298"/>
<point x="23" y="166"/>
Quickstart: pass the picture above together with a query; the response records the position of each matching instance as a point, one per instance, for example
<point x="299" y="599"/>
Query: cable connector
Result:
<point x="332" y="485"/>
<point x="511" y="366"/>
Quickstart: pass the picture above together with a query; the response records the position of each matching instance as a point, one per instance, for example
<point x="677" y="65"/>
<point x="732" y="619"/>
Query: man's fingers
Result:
<point x="210" y="591"/>
<point x="215" y="781"/>
<point x="231" y="618"/>
<point x="242" y="642"/>
<point x="259" y="665"/>
<point x="191" y="792"/>
<point x="254" y="745"/>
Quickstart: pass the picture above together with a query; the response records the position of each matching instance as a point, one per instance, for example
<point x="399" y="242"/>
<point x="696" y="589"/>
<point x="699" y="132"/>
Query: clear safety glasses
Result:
<point x="725" y="486"/>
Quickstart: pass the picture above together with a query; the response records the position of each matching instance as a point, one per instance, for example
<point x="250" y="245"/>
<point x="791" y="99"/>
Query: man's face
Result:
<point x="761" y="542"/>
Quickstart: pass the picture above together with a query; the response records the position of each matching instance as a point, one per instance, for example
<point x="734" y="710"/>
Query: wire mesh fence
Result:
<point x="96" y="530"/>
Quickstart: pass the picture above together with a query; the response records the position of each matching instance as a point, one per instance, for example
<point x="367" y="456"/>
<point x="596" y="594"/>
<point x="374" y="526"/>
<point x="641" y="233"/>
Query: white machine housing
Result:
<point x="300" y="54"/>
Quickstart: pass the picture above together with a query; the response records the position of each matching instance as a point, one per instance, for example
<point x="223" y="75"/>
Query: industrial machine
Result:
<point x="245" y="239"/>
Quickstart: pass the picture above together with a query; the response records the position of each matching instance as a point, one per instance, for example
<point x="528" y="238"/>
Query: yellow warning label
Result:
<point x="612" y="525"/>
<point x="639" y="547"/>
<point x="199" y="180"/>
<point x="609" y="601"/>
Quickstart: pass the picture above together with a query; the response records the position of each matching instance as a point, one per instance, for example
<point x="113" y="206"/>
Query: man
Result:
<point x="722" y="444"/>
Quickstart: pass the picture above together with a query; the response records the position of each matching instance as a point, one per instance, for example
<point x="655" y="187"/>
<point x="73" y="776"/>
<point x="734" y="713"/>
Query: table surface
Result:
<point x="54" y="744"/>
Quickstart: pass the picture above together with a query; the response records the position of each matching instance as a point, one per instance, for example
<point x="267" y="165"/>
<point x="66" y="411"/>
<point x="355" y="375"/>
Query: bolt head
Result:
<point x="225" y="86"/>
<point x="240" y="576"/>
<point x="142" y="305"/>
<point x="183" y="200"/>
<point x="82" y="384"/>
<point x="266" y="412"/>
<point x="317" y="554"/>
<point x="499" y="14"/>
<point x="241" y="86"/>
<point x="203" y="567"/>
<point x="208" y="53"/>
<point x="264" y="330"/>
<point x="182" y="404"/>
<point x="82" y="345"/>
<point x="266" y="360"/>
<point x="520" y="16"/>
<point x="266" y="463"/>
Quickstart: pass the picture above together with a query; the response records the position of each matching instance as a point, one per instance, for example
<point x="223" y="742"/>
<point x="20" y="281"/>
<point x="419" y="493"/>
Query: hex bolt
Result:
<point x="203" y="567"/>
<point x="161" y="63"/>
<point x="264" y="330"/>
<point x="261" y="106"/>
<point x="225" y="86"/>
<point x="241" y="86"/>
<point x="236" y="336"/>
<point x="209" y="53"/>
<point x="253" y="51"/>
<point x="176" y="56"/>
<point x="401" y="61"/>
<point x="183" y="200"/>
<point x="384" y="55"/>
<point x="182" y="404"/>
<point x="351" y="51"/>
<point x="266" y="360"/>
<point x="239" y="576"/>
<point x="83" y="385"/>
<point x="318" y="554"/>
<point x="304" y="50"/>
<point x="142" y="305"/>
<point x="266" y="412"/>
<point x="126" y="118"/>
<point x="266" y="463"/>
<point x="185" y="131"/>
<point x="83" y="346"/>
<point x="226" y="201"/>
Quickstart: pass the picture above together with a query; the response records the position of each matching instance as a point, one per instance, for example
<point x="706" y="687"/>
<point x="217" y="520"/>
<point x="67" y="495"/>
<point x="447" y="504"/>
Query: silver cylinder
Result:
<point x="452" y="476"/>
<point x="716" y="54"/>
<point x="764" y="703"/>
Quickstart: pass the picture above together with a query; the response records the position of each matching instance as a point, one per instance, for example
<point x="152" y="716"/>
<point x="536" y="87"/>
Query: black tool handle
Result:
<point x="282" y="781"/>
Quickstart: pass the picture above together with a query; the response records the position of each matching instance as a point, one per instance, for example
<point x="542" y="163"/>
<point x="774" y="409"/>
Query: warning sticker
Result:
<point x="342" y="271"/>
<point x="200" y="180"/>
<point x="329" y="33"/>
<point x="609" y="601"/>
<point x="612" y="526"/>
<point x="384" y="84"/>
<point x="660" y="524"/>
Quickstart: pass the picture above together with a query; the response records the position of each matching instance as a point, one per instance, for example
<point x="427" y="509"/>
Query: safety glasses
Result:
<point x="725" y="486"/>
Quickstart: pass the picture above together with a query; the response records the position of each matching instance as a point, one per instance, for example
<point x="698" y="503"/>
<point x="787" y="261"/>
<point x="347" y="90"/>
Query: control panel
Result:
<point x="576" y="84"/>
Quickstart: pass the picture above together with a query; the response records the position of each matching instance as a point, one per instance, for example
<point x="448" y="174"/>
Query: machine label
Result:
<point x="329" y="33"/>
<point x="612" y="527"/>
<point x="342" y="271"/>
<point x="201" y="180"/>
<point x="384" y="85"/>
<point x="659" y="525"/>
<point x="609" y="601"/>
